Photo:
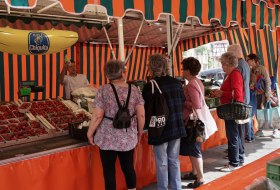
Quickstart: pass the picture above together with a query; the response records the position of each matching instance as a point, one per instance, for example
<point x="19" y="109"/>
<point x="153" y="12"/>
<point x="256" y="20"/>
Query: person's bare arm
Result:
<point x="96" y="119"/>
<point x="140" y="114"/>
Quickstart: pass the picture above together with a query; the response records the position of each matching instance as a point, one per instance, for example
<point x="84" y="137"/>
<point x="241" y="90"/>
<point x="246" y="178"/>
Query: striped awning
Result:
<point x="257" y="12"/>
<point x="270" y="3"/>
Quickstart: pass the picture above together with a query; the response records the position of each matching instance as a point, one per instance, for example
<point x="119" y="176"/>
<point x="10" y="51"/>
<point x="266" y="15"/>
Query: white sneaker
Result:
<point x="259" y="133"/>
<point x="228" y="168"/>
<point x="275" y="134"/>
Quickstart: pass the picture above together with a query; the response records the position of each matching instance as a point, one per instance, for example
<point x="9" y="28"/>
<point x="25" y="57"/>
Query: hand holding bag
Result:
<point x="195" y="130"/>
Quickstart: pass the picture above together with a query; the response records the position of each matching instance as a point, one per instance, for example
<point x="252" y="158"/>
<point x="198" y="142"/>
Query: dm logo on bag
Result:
<point x="157" y="121"/>
<point x="38" y="43"/>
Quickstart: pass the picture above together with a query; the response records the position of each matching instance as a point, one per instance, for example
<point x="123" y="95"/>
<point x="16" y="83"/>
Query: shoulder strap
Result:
<point x="116" y="95"/>
<point x="153" y="82"/>
<point x="118" y="101"/>
<point x="200" y="91"/>
<point x="117" y="98"/>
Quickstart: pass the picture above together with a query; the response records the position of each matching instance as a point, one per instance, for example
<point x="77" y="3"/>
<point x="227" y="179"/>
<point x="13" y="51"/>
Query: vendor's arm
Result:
<point x="140" y="114"/>
<point x="96" y="118"/>
<point x="62" y="74"/>
<point x="86" y="82"/>
<point x="267" y="83"/>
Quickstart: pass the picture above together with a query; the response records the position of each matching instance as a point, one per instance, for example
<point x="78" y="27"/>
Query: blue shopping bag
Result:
<point x="264" y="116"/>
<point x="269" y="117"/>
<point x="275" y="117"/>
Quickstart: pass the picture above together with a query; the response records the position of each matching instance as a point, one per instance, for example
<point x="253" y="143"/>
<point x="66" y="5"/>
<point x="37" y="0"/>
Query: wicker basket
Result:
<point x="234" y="111"/>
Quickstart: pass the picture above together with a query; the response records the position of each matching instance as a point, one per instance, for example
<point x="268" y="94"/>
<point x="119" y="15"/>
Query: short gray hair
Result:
<point x="236" y="50"/>
<point x="158" y="65"/>
<point x="230" y="59"/>
<point x="113" y="69"/>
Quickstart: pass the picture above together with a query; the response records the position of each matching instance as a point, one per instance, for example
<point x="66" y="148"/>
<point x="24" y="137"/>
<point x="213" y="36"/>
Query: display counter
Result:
<point x="78" y="166"/>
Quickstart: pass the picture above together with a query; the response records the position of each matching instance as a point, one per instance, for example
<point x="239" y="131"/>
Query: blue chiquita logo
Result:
<point x="38" y="43"/>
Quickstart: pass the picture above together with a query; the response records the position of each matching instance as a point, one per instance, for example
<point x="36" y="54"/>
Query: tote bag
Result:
<point x="205" y="116"/>
<point x="269" y="117"/>
<point x="264" y="117"/>
<point x="157" y="112"/>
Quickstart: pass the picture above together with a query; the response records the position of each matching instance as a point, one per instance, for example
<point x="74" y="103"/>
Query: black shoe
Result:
<point x="189" y="176"/>
<point x="195" y="184"/>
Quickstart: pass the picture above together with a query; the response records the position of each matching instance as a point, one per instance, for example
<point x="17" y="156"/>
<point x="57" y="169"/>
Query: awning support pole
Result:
<point x="48" y="7"/>
<point x="176" y="38"/>
<point x="110" y="44"/>
<point x="134" y="44"/>
<point x="121" y="39"/>
<point x="169" y="45"/>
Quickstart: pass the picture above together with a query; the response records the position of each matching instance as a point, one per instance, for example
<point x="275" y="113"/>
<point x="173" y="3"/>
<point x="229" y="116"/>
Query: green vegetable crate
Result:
<point x="273" y="170"/>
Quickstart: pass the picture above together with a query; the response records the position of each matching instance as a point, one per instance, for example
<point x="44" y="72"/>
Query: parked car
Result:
<point x="215" y="75"/>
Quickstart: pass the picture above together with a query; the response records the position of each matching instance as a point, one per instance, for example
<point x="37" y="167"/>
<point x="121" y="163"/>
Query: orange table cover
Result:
<point x="81" y="169"/>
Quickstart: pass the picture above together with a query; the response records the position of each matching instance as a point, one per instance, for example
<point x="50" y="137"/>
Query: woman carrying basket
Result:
<point x="232" y="88"/>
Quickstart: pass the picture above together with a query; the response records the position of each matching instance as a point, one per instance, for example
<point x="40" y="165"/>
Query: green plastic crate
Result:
<point x="273" y="170"/>
<point x="24" y="91"/>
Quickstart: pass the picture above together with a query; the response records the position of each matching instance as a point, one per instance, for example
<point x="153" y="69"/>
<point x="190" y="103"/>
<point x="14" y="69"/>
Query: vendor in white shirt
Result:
<point x="73" y="80"/>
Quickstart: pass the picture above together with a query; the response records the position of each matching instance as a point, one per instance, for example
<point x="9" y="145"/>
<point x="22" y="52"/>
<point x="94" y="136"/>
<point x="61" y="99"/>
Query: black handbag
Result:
<point x="195" y="130"/>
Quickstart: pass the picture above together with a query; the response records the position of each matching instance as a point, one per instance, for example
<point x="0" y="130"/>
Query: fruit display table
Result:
<point x="23" y="122"/>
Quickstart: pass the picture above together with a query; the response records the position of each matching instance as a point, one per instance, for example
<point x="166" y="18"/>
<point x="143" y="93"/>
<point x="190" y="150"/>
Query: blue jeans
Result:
<point x="168" y="165"/>
<point x="249" y="130"/>
<point x="235" y="136"/>
<point x="249" y="126"/>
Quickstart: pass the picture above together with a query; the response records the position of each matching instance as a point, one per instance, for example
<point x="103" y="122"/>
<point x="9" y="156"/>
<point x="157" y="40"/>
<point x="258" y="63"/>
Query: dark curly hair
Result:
<point x="253" y="56"/>
<point x="191" y="64"/>
<point x="158" y="65"/>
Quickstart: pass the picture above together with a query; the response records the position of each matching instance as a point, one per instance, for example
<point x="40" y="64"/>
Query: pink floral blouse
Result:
<point x="107" y="137"/>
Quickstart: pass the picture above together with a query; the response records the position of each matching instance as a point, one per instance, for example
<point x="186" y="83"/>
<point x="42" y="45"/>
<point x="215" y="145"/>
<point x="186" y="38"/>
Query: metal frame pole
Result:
<point x="169" y="45"/>
<point x="121" y="39"/>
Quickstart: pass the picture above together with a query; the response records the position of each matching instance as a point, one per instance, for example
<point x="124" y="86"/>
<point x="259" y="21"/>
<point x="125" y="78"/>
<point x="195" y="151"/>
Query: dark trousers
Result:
<point x="108" y="159"/>
<point x="235" y="135"/>
<point x="249" y="130"/>
<point x="249" y="126"/>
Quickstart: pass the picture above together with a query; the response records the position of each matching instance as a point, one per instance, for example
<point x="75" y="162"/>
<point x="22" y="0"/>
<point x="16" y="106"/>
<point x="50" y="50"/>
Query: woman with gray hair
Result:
<point x="115" y="142"/>
<point x="166" y="146"/>
<point x="232" y="88"/>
